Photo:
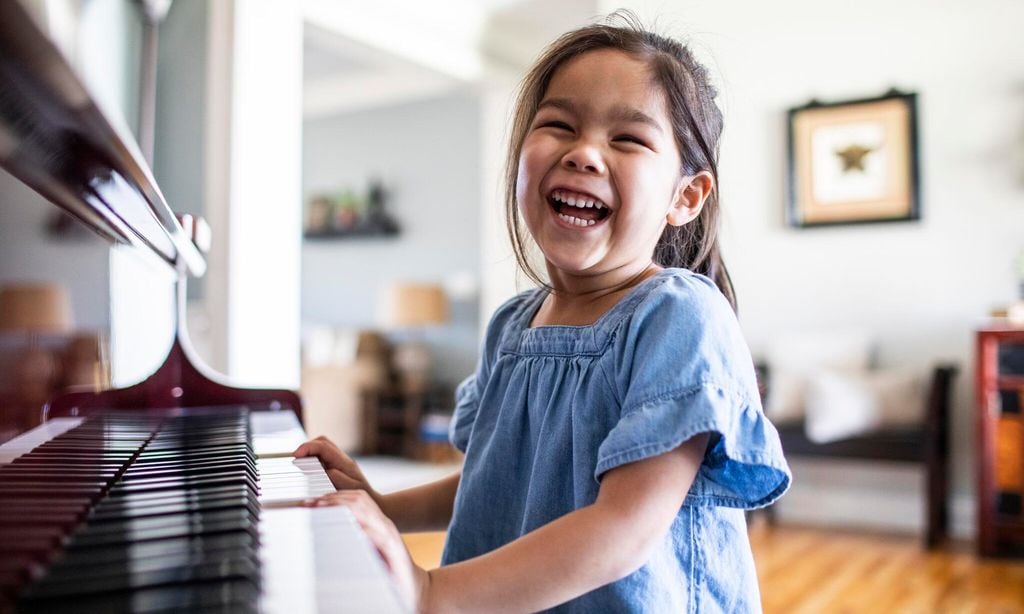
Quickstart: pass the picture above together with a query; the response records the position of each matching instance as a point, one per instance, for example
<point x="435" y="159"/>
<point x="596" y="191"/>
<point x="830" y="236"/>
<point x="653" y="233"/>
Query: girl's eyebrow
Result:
<point x="617" y="113"/>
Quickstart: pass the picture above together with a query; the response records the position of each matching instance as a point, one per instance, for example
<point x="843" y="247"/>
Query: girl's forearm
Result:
<point x="422" y="508"/>
<point x="562" y="560"/>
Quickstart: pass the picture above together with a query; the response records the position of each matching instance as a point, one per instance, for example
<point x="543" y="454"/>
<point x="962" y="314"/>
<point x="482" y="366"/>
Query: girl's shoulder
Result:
<point x="680" y="297"/>
<point x="681" y="328"/>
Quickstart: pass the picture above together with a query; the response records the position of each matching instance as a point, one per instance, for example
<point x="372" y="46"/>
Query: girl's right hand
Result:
<point x="344" y="473"/>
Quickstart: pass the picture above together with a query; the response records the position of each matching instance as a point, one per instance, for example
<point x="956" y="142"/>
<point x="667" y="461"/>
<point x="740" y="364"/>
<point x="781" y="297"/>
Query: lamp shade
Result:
<point x="35" y="307"/>
<point x="413" y="305"/>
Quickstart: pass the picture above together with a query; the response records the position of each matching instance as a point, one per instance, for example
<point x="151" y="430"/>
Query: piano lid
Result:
<point x="55" y="138"/>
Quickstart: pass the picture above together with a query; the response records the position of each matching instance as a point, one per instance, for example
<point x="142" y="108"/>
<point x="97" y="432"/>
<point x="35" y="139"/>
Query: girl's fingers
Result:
<point x="330" y="455"/>
<point x="342" y="481"/>
<point x="382" y="533"/>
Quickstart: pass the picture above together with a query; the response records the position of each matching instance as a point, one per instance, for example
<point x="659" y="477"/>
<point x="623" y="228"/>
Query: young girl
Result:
<point x="613" y="430"/>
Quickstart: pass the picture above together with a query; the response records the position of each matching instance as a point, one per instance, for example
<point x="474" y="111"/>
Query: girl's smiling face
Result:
<point x="599" y="172"/>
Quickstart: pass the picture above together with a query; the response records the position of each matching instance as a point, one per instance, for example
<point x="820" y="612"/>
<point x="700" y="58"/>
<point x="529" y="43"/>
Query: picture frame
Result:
<point x="854" y="162"/>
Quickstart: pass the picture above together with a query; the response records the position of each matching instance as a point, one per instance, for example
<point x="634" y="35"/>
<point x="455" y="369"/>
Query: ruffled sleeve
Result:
<point x="467" y="402"/>
<point x="684" y="369"/>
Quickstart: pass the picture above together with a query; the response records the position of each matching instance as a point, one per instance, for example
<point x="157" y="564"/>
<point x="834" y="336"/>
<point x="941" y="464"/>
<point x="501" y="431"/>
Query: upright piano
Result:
<point x="178" y="493"/>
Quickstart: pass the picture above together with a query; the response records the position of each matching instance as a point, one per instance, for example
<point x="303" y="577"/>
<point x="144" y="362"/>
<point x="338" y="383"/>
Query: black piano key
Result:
<point x="38" y="461"/>
<point x="80" y="503"/>
<point x="224" y="524"/>
<point x="186" y="469"/>
<point x="141" y="525"/>
<point x="227" y="463"/>
<point x="40" y="517"/>
<point x="58" y="469"/>
<point x="46" y="489"/>
<point x="89" y="555"/>
<point x="178" y="507"/>
<point x="67" y="569"/>
<point x="237" y="595"/>
<point x="80" y="458"/>
<point x="201" y="569"/>
<point x="55" y="477"/>
<point x="173" y="525"/>
<point x="152" y="454"/>
<point x="156" y="484"/>
<point x="123" y="498"/>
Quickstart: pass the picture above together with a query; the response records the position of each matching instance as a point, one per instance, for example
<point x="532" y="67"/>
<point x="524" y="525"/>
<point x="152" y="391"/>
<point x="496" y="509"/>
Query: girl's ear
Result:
<point x="693" y="191"/>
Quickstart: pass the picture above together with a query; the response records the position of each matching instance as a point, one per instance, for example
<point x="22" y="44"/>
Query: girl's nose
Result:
<point x="584" y="157"/>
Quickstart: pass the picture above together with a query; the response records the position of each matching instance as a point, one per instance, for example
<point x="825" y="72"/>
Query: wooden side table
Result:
<point x="1000" y="420"/>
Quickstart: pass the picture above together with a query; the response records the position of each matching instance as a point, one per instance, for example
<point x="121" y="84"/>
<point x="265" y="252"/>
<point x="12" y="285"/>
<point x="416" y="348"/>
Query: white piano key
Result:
<point x="276" y="433"/>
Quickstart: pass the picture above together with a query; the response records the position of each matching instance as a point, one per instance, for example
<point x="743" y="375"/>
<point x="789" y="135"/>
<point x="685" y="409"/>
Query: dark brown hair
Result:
<point x="696" y="124"/>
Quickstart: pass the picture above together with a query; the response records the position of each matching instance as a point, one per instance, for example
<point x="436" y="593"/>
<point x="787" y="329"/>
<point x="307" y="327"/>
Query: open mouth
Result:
<point x="577" y="209"/>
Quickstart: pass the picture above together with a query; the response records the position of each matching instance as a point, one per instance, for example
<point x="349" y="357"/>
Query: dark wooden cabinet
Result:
<point x="1000" y="415"/>
<point x="392" y="418"/>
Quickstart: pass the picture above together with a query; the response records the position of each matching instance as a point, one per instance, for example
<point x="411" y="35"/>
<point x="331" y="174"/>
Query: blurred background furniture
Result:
<point x="43" y="353"/>
<point x="393" y="419"/>
<point x="1000" y="419"/>
<point x="926" y="443"/>
<point x="410" y="308"/>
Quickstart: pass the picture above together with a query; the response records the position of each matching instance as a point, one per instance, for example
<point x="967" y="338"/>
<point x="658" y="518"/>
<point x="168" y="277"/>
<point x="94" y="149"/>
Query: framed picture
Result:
<point x="854" y="162"/>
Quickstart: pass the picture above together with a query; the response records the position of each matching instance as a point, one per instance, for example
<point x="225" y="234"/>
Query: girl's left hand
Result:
<point x="410" y="580"/>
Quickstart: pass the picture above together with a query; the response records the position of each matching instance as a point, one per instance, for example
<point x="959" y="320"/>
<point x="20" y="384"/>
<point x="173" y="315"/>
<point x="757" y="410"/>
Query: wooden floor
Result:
<point x="810" y="570"/>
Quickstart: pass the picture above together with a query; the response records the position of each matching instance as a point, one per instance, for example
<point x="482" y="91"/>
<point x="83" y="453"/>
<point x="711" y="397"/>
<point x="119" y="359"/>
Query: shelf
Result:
<point x="355" y="233"/>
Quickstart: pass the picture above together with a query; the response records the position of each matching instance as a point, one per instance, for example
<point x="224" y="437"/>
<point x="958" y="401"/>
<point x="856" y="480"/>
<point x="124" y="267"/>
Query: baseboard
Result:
<point x="871" y="496"/>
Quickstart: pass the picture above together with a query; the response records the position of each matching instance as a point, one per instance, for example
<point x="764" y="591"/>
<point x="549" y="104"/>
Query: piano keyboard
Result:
<point x="144" y="512"/>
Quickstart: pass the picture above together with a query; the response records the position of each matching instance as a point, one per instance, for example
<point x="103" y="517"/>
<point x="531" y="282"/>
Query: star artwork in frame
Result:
<point x="853" y="162"/>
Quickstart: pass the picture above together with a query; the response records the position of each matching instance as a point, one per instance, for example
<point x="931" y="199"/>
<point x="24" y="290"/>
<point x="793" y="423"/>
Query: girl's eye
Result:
<point x="557" y="125"/>
<point x="629" y="138"/>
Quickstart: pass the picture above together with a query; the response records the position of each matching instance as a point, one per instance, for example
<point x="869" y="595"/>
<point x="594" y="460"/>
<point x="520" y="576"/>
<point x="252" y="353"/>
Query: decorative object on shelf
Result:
<point x="854" y="162"/>
<point x="348" y="214"/>
<point x="412" y="307"/>
<point x="434" y="445"/>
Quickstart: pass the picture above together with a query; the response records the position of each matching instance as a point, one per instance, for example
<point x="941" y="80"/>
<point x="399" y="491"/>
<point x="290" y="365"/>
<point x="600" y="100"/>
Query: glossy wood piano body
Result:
<point x="108" y="506"/>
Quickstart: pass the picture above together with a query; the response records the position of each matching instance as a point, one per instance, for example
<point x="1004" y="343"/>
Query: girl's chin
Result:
<point x="570" y="265"/>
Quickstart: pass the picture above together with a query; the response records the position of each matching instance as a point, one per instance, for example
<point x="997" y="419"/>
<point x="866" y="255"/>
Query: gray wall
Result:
<point x="27" y="254"/>
<point x="426" y="153"/>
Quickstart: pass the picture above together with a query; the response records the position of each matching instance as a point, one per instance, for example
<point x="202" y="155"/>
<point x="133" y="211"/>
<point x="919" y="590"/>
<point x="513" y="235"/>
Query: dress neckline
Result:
<point x="538" y="296"/>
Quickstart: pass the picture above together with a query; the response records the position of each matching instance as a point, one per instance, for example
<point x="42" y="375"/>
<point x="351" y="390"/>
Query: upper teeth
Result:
<point x="576" y="200"/>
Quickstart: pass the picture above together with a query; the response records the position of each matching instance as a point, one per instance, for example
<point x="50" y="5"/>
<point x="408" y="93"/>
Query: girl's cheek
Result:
<point x="526" y="175"/>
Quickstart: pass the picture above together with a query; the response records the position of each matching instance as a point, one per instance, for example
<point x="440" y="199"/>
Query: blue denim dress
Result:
<point x="551" y="409"/>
